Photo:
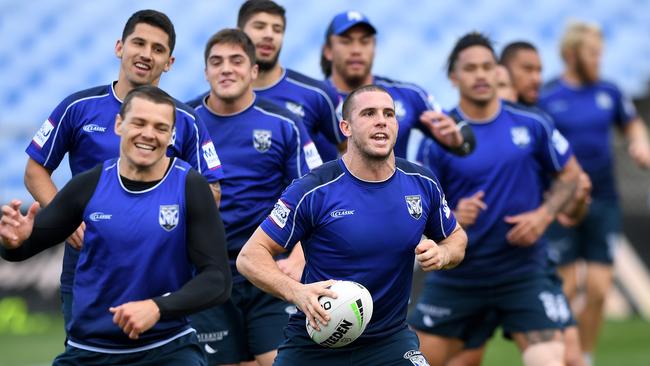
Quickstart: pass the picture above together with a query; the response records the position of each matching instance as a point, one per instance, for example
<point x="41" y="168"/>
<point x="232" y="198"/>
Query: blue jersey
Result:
<point x="585" y="116"/>
<point x="156" y="247"/>
<point x="313" y="101"/>
<point x="362" y="231"/>
<point x="264" y="148"/>
<point x="83" y="126"/>
<point x="410" y="102"/>
<point x="515" y="153"/>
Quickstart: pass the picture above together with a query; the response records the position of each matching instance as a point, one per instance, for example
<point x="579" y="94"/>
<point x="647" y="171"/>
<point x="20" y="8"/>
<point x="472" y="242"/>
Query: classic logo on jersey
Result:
<point x="43" y="133"/>
<point x="296" y="109"/>
<point x="312" y="157"/>
<point x="262" y="140"/>
<point x="280" y="214"/>
<point x="210" y="155"/>
<point x="212" y="336"/>
<point x="168" y="217"/>
<point x="99" y="216"/>
<point x="414" y="204"/>
<point x="90" y="128"/>
<point x="341" y="212"/>
<point x="520" y="136"/>
<point x="559" y="142"/>
<point x="604" y="100"/>
<point x="416" y="358"/>
<point x="400" y="111"/>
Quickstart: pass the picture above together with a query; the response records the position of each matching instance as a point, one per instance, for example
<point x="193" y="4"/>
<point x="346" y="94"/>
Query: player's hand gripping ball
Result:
<point x="349" y="314"/>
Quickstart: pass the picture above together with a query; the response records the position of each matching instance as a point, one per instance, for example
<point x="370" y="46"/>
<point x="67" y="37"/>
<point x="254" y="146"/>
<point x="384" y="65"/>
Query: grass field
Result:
<point x="625" y="343"/>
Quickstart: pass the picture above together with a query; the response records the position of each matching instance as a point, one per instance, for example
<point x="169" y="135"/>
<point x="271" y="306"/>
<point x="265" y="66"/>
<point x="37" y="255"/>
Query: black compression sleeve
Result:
<point x="54" y="223"/>
<point x="206" y="246"/>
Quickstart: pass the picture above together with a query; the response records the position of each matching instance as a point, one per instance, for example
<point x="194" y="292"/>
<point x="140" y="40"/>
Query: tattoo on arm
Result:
<point x="540" y="336"/>
<point x="559" y="195"/>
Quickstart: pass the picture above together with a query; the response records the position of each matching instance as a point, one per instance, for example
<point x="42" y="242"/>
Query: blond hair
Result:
<point x="574" y="35"/>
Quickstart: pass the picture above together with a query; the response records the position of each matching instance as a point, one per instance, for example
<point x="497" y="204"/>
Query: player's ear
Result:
<point x="119" y="48"/>
<point x="255" y="71"/>
<point x="327" y="52"/>
<point x="345" y="127"/>
<point x="452" y="77"/>
<point x="168" y="65"/>
<point x="118" y="124"/>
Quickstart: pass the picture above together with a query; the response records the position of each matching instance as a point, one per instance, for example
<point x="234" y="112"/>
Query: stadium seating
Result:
<point x="51" y="48"/>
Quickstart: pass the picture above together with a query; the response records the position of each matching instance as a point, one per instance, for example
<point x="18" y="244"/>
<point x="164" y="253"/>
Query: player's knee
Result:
<point x="544" y="354"/>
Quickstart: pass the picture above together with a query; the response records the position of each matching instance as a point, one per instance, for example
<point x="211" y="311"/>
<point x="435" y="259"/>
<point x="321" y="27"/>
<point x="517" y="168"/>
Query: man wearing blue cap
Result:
<point x="346" y="61"/>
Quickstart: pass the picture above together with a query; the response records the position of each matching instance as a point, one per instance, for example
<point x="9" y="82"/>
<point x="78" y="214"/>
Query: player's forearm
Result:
<point x="39" y="182"/>
<point x="215" y="188"/>
<point x="636" y="132"/>
<point x="455" y="245"/>
<point x="256" y="263"/>
<point x="563" y="189"/>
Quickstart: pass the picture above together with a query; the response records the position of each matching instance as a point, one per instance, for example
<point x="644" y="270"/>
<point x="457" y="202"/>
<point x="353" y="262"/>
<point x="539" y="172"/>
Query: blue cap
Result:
<point x="346" y="20"/>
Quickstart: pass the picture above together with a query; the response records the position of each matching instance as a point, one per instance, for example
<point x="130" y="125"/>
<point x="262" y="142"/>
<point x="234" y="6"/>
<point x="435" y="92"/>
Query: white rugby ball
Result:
<point x="349" y="313"/>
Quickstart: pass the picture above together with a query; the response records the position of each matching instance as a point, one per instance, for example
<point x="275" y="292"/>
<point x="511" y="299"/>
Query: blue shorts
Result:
<point x="184" y="351"/>
<point x="250" y="323"/>
<point x="399" y="349"/>
<point x="471" y="313"/>
<point x="593" y="240"/>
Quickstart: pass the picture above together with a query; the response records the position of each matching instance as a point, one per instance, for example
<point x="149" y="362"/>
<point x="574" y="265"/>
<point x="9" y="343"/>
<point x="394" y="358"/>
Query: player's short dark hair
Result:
<point x="151" y="93"/>
<point x="231" y="36"/>
<point x="153" y="18"/>
<point x="252" y="7"/>
<point x="469" y="40"/>
<point x="510" y="51"/>
<point x="348" y="103"/>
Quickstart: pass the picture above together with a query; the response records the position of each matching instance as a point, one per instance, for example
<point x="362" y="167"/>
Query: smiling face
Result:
<point x="267" y="33"/>
<point x="475" y="75"/>
<point x="229" y="72"/>
<point x="144" y="55"/>
<point x="371" y="127"/>
<point x="145" y="131"/>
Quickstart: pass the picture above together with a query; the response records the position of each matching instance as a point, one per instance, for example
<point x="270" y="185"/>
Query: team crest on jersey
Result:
<point x="604" y="101"/>
<point x="262" y="140"/>
<point x="400" y="111"/>
<point x="168" y="217"/>
<point x="296" y="109"/>
<point x="520" y="136"/>
<point x="416" y="358"/>
<point x="414" y="204"/>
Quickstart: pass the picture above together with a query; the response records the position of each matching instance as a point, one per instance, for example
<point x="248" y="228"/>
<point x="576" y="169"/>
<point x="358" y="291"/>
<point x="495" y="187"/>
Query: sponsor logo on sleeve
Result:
<point x="312" y="156"/>
<point x="559" y="142"/>
<point x="445" y="207"/>
<point x="400" y="110"/>
<point x="43" y="134"/>
<point x="280" y="214"/>
<point x="210" y="155"/>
